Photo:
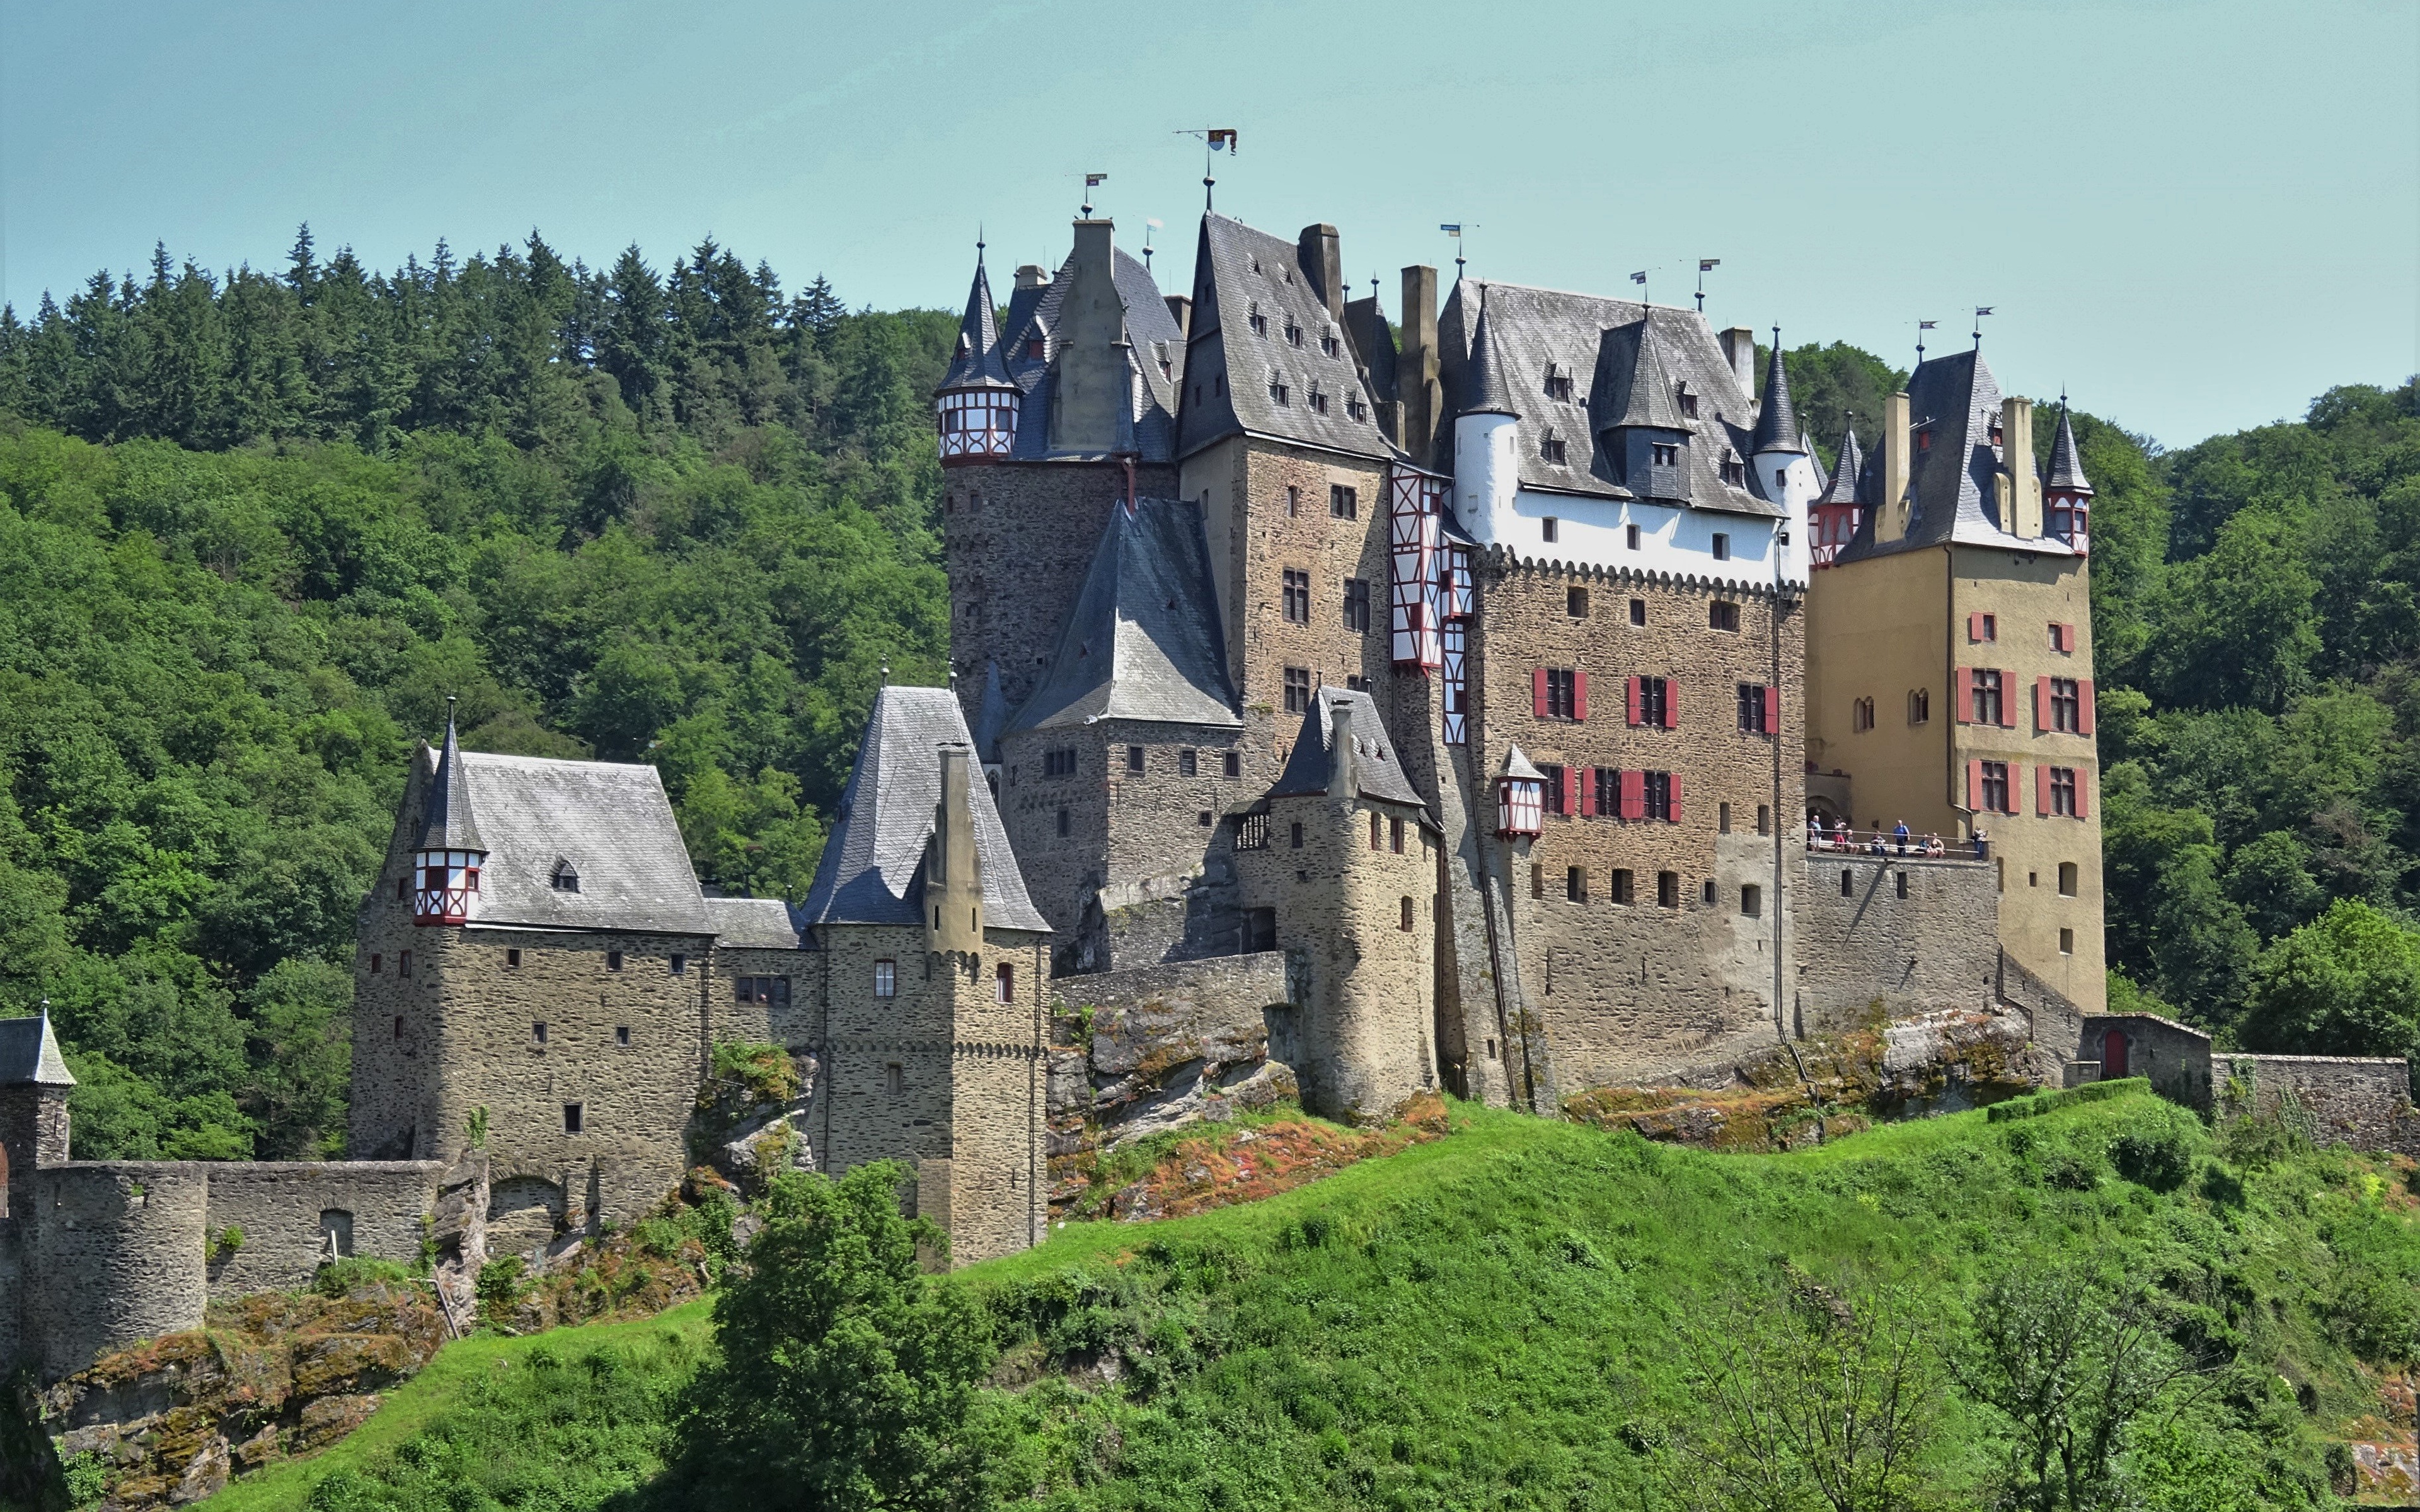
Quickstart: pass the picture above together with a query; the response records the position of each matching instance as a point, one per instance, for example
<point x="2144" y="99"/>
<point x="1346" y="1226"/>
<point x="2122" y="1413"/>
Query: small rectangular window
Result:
<point x="1995" y="787"/>
<point x="1406" y="916"/>
<point x="1134" y="758"/>
<point x="2066" y="879"/>
<point x="1377" y="833"/>
<point x="1665" y="454"/>
<point x="1621" y="888"/>
<point x="2062" y="791"/>
<point x="1066" y="825"/>
<point x="681" y="965"/>
<point x="1293" y="500"/>
<point x="621" y="1034"/>
<point x="1576" y="883"/>
<point x="1752" y="708"/>
<point x="1297" y="596"/>
<point x="1575" y="603"/>
<point x="1764" y="819"/>
<point x="1537" y="881"/>
<point x="399" y="1025"/>
<point x="513" y="957"/>
<point x="1722" y="614"/>
<point x="1667" y="890"/>
<point x="1552" y="528"/>
<point x="1188" y="763"/>
<point x="1553" y="788"/>
<point x="1396" y="836"/>
<point x="376" y="959"/>
<point x="574" y="1118"/>
<point x="1231" y="764"/>
<point x="2067" y="942"/>
<point x="1004" y="982"/>
<point x="1298" y="691"/>
<point x="1722" y="547"/>
<point x="1562" y="696"/>
<point x="1357" y="605"/>
<point x="1638" y="611"/>
<point x="1629" y="536"/>
<point x="1608" y="792"/>
<point x="537" y="1032"/>
<point x="403" y="963"/>
<point x="1751" y="900"/>
<point x="1295" y="837"/>
<point x="1343" y="503"/>
<point x="1722" y="819"/>
<point x="886" y="979"/>
<point x="895" y="1079"/>
<point x="612" y="959"/>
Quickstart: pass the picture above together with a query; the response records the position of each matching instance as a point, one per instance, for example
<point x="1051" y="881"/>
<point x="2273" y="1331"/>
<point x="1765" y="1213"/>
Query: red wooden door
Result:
<point x="2113" y="1055"/>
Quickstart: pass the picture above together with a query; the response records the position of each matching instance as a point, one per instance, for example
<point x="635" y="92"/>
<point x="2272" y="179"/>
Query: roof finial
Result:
<point x="1213" y="138"/>
<point x="1453" y="229"/>
<point x="1980" y="310"/>
<point x="886" y="674"/>
<point x="1921" y="327"/>
<point x="978" y="242"/>
<point x="1705" y="266"/>
<point x="1091" y="181"/>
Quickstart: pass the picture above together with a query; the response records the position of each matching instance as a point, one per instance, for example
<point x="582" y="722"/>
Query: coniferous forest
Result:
<point x="255" y="526"/>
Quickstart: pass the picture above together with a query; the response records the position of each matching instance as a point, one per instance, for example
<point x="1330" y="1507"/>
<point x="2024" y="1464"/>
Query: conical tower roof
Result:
<point x="1776" y="421"/>
<point x="2066" y="467"/>
<point x="1650" y="403"/>
<point x="449" y="825"/>
<point x="1488" y="390"/>
<point x="1517" y="764"/>
<point x="1843" y="489"/>
<point x="977" y="363"/>
<point x="29" y="1053"/>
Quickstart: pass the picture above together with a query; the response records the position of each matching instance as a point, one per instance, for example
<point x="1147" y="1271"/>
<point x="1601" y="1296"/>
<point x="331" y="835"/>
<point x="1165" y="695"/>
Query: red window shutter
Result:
<point x="1773" y="711"/>
<point x="2066" y="637"/>
<point x="2084" y="711"/>
<point x="2041" y="790"/>
<point x="1579" y="696"/>
<point x="1974" y="786"/>
<point x="1586" y="776"/>
<point x="2007" y="705"/>
<point x="1538" y="692"/>
<point x="2041" y="704"/>
<point x="1633" y="795"/>
<point x="1671" y="703"/>
<point x="1965" y="696"/>
<point x="1675" y="814"/>
<point x="1631" y="693"/>
<point x="2083" y="793"/>
<point x="1973" y="628"/>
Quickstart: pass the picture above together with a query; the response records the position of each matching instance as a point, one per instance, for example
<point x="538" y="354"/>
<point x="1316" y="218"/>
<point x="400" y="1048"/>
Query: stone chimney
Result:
<point x="1180" y="306"/>
<point x="953" y="867"/>
<point x="1092" y="405"/>
<point x="1344" y="758"/>
<point x="1323" y="263"/>
<point x="1891" y="510"/>
<point x="1739" y="349"/>
<point x="1032" y="275"/>
<point x="1416" y="367"/>
<point x="2020" y="485"/>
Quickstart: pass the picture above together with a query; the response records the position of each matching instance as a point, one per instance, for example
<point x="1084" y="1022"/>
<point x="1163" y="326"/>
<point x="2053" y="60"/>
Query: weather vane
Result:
<point x="1921" y="327"/>
<point x="1213" y="138"/>
<point x="1454" y="230"/>
<point x="1705" y="266"/>
<point x="1092" y="181"/>
<point x="1148" y="227"/>
<point x="1980" y="310"/>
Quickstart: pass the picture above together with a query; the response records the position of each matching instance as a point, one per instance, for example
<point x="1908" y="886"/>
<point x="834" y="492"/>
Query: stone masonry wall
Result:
<point x="117" y="1252"/>
<point x="2175" y="1058"/>
<point x="1911" y="933"/>
<point x="1015" y="540"/>
<point x="1062" y="871"/>
<point x="2358" y="1100"/>
<point x="794" y="1027"/>
<point x="278" y="1205"/>
<point x="1628" y="993"/>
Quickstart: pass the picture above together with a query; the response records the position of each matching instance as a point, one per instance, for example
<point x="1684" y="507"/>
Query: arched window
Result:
<point x="565" y="878"/>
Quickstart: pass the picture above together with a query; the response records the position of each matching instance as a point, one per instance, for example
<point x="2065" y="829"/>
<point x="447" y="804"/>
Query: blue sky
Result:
<point x="2195" y="216"/>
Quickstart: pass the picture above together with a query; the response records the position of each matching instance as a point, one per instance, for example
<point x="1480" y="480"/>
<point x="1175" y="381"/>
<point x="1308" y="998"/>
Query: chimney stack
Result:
<point x="1416" y="367"/>
<point x="1096" y="383"/>
<point x="1032" y="275"/>
<point x="1343" y="781"/>
<point x="1180" y="306"/>
<point x="952" y="867"/>
<point x="1739" y="349"/>
<point x="1891" y="510"/>
<point x="1323" y="263"/>
<point x="2021" y="495"/>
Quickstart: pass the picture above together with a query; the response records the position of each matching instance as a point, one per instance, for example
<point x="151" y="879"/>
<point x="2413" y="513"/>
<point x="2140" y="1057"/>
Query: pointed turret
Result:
<point x="448" y="857"/>
<point x="1776" y="421"/>
<point x="2067" y="496"/>
<point x="976" y="403"/>
<point x="1486" y="387"/>
<point x="1837" y="510"/>
<point x="1486" y="439"/>
<point x="1648" y="434"/>
<point x="1846" y="470"/>
<point x="1520" y="794"/>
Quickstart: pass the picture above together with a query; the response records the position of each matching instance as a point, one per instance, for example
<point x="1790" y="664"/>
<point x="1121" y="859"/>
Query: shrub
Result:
<point x="339" y="1279"/>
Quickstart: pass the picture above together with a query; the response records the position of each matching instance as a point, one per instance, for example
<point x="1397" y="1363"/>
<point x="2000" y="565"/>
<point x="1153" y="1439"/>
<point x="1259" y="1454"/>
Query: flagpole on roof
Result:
<point x="1705" y="265"/>
<point x="1921" y="327"/>
<point x="1980" y="310"/>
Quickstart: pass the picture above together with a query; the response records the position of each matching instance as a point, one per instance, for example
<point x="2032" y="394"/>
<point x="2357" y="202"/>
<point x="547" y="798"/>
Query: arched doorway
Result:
<point x="2113" y="1055"/>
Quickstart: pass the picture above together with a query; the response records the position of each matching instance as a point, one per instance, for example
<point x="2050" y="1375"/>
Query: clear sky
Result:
<point x="2193" y="215"/>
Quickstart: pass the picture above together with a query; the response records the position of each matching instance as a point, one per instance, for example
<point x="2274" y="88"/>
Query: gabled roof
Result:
<point x="976" y="363"/>
<point x="1378" y="768"/>
<point x="1484" y="392"/>
<point x="1776" y="423"/>
<point x="1516" y="765"/>
<point x="873" y="866"/>
<point x="609" y="820"/>
<point x="29" y="1054"/>
<point x="1846" y="470"/>
<point x="1237" y="270"/>
<point x="1953" y="400"/>
<point x="2066" y="466"/>
<point x="448" y="824"/>
<point x="1142" y="640"/>
<point x="1151" y="333"/>
<point x="756" y="923"/>
<point x="1597" y="341"/>
<point x="991" y="714"/>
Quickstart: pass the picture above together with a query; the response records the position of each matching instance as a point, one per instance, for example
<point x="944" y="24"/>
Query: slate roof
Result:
<point x="29" y="1055"/>
<point x="1237" y="271"/>
<point x="1597" y="341"/>
<point x="1379" y="768"/>
<point x="2066" y="467"/>
<point x="1953" y="400"/>
<point x="756" y="923"/>
<point x="1776" y="421"/>
<point x="871" y="870"/>
<point x="448" y="822"/>
<point x="991" y="714"/>
<point x="609" y="818"/>
<point x="1151" y="333"/>
<point x="1142" y="640"/>
<point x="1519" y="765"/>
<point x="1485" y="394"/>
<point x="977" y="362"/>
<point x="1847" y="470"/>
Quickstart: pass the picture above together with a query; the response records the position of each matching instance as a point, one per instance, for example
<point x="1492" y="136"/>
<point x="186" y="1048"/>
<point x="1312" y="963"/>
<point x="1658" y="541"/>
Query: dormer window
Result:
<point x="1331" y="345"/>
<point x="1318" y="401"/>
<point x="1036" y="347"/>
<point x="1688" y="403"/>
<point x="1553" y="449"/>
<point x="565" y="878"/>
<point x="1663" y="454"/>
<point x="1559" y="383"/>
<point x="1279" y="395"/>
<point x="1294" y="333"/>
<point x="1734" y="472"/>
<point x="1354" y="407"/>
<point x="1259" y="322"/>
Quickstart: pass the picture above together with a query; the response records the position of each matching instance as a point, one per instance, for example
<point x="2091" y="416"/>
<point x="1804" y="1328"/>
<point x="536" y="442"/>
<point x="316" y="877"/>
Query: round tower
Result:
<point x="2066" y="497"/>
<point x="976" y="405"/>
<point x="446" y="860"/>
<point x="1486" y="471"/>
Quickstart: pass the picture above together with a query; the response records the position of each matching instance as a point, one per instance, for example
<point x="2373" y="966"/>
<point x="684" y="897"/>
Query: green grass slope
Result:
<point x="1496" y="1320"/>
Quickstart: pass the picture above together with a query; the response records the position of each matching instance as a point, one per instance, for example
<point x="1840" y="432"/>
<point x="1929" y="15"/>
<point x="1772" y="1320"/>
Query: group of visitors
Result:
<point x="1897" y="841"/>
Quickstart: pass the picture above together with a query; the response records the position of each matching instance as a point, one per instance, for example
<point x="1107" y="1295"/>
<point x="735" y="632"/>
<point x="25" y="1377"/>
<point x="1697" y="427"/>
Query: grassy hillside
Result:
<point x="1533" y="1315"/>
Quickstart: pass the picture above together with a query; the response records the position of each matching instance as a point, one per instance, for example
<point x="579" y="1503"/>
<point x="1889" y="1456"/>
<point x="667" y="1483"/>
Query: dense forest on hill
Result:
<point x="255" y="526"/>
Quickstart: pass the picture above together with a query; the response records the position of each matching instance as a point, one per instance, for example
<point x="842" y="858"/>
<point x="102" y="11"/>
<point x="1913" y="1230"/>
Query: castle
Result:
<point x="1474" y="672"/>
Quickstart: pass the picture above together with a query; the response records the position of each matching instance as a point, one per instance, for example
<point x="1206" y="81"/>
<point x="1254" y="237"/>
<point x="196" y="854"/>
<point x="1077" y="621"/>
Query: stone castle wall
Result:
<point x="1911" y="933"/>
<point x="281" y="1205"/>
<point x="116" y="1255"/>
<point x="2364" y="1102"/>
